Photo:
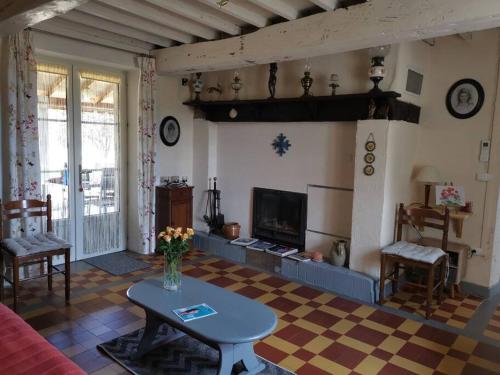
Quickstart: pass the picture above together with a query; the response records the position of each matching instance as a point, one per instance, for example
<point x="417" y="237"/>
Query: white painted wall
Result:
<point x="452" y="145"/>
<point x="368" y="200"/>
<point x="204" y="167"/>
<point x="402" y="140"/>
<point x="176" y="160"/>
<point x="321" y="153"/>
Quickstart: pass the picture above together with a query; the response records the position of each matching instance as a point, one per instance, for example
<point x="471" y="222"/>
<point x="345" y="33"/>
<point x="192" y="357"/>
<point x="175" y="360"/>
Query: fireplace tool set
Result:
<point x="213" y="216"/>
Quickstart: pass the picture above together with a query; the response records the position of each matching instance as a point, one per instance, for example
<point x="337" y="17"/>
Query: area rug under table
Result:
<point x="184" y="355"/>
<point x="117" y="263"/>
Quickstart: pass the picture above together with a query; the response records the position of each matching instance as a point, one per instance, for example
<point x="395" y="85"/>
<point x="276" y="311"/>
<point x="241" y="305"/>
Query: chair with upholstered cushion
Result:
<point x="32" y="249"/>
<point x="431" y="259"/>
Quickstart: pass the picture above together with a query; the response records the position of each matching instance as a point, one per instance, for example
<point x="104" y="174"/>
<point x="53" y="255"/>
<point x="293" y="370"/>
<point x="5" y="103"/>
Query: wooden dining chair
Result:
<point x="32" y="249"/>
<point x="419" y="218"/>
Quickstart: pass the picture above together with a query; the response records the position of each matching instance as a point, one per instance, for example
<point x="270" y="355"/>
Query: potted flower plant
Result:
<point x="173" y="242"/>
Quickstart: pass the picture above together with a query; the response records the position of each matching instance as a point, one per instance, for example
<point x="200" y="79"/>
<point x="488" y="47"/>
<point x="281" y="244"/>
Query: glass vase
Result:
<point x="172" y="273"/>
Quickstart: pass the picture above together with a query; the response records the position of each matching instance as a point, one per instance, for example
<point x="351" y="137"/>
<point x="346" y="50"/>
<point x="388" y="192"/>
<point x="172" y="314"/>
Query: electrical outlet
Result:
<point x="477" y="251"/>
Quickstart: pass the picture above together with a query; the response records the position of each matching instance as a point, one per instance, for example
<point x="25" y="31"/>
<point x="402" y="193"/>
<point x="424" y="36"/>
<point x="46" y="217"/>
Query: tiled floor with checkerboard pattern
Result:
<point x="455" y="312"/>
<point x="318" y="332"/>
<point x="493" y="328"/>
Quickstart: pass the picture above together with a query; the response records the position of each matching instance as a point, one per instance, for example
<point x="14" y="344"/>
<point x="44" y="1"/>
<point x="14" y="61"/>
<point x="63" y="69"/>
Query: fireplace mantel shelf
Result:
<point x="349" y="107"/>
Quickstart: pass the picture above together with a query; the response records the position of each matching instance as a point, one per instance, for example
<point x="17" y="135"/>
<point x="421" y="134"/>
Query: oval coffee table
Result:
<point x="238" y="323"/>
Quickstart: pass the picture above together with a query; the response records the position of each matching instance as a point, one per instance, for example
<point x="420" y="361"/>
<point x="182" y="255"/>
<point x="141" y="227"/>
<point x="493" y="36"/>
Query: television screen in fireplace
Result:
<point x="280" y="216"/>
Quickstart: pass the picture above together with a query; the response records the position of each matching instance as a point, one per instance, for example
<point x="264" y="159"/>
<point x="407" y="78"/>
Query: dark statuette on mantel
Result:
<point x="273" y="69"/>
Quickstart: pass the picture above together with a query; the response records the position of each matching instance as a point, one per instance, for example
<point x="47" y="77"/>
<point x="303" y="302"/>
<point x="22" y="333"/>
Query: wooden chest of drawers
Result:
<point x="174" y="207"/>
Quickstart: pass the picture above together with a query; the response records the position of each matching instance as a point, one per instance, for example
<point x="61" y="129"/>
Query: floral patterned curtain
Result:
<point x="147" y="152"/>
<point x="22" y="124"/>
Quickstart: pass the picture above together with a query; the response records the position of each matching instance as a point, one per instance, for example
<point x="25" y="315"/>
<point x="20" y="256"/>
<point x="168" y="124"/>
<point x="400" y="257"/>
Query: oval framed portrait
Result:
<point x="465" y="98"/>
<point x="170" y="131"/>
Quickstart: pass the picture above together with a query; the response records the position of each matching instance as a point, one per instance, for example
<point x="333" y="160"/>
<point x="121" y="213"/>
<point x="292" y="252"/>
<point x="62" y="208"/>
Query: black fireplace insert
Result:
<point x="280" y="217"/>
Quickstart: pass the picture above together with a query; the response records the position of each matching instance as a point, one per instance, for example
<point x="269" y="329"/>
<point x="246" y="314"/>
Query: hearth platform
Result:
<point x="338" y="280"/>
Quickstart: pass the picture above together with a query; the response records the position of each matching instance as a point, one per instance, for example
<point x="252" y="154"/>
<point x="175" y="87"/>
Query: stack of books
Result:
<point x="281" y="251"/>
<point x="260" y="246"/>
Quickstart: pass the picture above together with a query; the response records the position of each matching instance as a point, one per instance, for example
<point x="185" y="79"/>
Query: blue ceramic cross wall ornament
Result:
<point x="281" y="144"/>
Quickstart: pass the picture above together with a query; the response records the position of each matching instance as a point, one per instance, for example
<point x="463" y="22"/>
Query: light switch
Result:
<point x="484" y="153"/>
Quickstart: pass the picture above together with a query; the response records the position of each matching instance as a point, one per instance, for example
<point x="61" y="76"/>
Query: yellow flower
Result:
<point x="176" y="234"/>
<point x="185" y="236"/>
<point x="161" y="235"/>
<point x="190" y="231"/>
<point x="179" y="229"/>
<point x="167" y="238"/>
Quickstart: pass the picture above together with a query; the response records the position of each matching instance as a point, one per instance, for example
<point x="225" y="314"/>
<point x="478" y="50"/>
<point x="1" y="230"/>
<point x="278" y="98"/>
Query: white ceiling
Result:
<point x="142" y="25"/>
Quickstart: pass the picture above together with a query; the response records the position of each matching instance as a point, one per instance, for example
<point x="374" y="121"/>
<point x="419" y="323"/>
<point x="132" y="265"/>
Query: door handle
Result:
<point x="80" y="179"/>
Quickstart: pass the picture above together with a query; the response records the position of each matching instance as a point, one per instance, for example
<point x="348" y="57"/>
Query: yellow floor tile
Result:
<point x="355" y="344"/>
<point x="302" y="311"/>
<point x="410" y="326"/>
<point x="318" y="344"/>
<point x="392" y="344"/>
<point x="363" y="311"/>
<point x="283" y="345"/>
<point x="429" y="344"/>
<point x="370" y="366"/>
<point x="329" y="366"/>
<point x="292" y="363"/>
<point x="343" y="326"/>
<point x="310" y="326"/>
<point x="451" y="365"/>
<point x="417" y="368"/>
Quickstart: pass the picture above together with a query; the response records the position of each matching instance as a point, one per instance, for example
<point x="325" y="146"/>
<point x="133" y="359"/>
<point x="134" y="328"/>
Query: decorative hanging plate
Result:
<point x="370" y="144"/>
<point x="369" y="158"/>
<point x="368" y="170"/>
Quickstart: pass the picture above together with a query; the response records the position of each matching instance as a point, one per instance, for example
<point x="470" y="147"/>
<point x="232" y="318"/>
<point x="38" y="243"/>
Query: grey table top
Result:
<point x="238" y="319"/>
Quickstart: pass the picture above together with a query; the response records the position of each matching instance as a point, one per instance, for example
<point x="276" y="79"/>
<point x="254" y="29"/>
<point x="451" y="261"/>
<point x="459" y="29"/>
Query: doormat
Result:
<point x="185" y="355"/>
<point x="117" y="263"/>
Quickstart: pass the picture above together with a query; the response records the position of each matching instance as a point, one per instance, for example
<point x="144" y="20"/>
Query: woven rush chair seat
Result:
<point x="39" y="243"/>
<point x="412" y="251"/>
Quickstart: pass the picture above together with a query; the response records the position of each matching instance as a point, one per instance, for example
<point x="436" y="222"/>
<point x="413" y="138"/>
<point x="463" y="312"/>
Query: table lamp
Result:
<point x="428" y="175"/>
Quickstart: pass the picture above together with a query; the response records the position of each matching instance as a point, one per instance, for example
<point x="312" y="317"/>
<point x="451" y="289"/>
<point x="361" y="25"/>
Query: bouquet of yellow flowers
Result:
<point x="173" y="242"/>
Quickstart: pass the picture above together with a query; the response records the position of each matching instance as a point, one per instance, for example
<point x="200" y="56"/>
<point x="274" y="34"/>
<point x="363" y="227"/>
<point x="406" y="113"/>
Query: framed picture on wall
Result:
<point x="465" y="98"/>
<point x="170" y="131"/>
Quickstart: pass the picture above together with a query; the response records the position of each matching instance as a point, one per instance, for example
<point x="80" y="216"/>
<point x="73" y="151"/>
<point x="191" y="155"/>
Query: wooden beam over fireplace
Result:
<point x="373" y="23"/>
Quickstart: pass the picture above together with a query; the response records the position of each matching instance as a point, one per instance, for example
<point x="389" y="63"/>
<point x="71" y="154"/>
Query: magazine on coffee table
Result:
<point x="194" y="312"/>
<point x="244" y="241"/>
<point x="281" y="251"/>
<point x="260" y="245"/>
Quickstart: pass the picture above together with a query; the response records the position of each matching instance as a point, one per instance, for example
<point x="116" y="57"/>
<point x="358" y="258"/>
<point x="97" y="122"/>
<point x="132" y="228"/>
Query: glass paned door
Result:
<point x="54" y="134"/>
<point x="82" y="166"/>
<point x="100" y="171"/>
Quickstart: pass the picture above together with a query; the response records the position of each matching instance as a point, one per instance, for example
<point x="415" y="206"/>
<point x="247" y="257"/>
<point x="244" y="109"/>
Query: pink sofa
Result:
<point x="24" y="352"/>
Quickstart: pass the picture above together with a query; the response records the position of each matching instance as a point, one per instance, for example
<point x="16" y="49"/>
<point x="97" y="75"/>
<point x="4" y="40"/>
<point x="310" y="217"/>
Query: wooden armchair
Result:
<point x="418" y="217"/>
<point x="33" y="249"/>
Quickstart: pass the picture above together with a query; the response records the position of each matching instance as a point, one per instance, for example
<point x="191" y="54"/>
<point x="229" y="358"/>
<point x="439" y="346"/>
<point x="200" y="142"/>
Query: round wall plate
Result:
<point x="370" y="146"/>
<point x="170" y="131"/>
<point x="369" y="158"/>
<point x="368" y="170"/>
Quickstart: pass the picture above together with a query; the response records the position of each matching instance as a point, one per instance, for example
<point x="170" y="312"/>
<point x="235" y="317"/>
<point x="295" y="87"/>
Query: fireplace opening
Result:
<point x="280" y="217"/>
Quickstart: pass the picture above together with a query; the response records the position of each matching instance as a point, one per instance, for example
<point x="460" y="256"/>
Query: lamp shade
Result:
<point x="428" y="174"/>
